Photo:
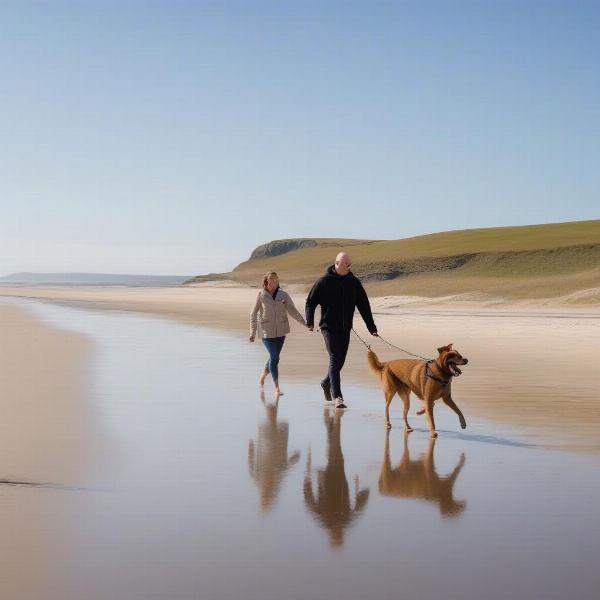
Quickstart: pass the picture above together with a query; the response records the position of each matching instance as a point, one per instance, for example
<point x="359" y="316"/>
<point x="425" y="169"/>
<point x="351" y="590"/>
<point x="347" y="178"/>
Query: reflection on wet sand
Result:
<point x="268" y="459"/>
<point x="331" y="508"/>
<point x="418" y="479"/>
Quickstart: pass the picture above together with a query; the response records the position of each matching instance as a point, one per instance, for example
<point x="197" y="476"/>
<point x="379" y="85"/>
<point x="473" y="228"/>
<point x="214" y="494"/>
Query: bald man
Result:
<point x="338" y="293"/>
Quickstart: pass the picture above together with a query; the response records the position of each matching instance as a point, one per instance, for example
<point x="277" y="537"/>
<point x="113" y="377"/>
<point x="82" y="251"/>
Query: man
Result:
<point x="338" y="292"/>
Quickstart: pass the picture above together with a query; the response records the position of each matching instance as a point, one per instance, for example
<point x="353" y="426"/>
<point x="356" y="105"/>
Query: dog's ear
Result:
<point x="444" y="349"/>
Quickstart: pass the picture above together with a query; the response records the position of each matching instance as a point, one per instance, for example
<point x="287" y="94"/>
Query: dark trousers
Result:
<point x="336" y="343"/>
<point x="273" y="346"/>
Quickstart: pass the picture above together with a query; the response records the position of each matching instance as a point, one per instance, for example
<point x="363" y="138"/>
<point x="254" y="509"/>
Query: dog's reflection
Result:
<point x="331" y="507"/>
<point x="419" y="479"/>
<point x="268" y="459"/>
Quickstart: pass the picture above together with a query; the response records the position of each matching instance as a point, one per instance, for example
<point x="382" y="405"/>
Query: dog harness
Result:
<point x="429" y="374"/>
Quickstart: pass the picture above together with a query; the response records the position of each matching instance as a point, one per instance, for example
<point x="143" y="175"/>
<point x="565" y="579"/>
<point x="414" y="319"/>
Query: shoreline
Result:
<point x="533" y="370"/>
<point x="198" y="301"/>
<point x="44" y="371"/>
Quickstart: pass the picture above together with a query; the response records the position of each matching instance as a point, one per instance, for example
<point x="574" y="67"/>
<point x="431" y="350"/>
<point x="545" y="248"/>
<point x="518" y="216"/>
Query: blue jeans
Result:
<point x="273" y="346"/>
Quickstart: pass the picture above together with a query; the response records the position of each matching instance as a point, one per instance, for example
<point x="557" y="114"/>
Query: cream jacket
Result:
<point x="272" y="314"/>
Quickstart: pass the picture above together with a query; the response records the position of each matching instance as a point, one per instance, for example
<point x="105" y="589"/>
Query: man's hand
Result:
<point x="310" y="327"/>
<point x="375" y="334"/>
<point x="251" y="338"/>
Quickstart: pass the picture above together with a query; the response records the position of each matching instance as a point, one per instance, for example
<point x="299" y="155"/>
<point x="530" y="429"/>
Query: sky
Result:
<point x="174" y="137"/>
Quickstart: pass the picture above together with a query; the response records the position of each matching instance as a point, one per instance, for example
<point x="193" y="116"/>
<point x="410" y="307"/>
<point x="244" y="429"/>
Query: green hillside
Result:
<point x="513" y="262"/>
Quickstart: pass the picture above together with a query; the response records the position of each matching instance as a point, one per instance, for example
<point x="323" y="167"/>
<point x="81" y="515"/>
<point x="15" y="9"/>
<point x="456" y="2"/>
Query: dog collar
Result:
<point x="429" y="374"/>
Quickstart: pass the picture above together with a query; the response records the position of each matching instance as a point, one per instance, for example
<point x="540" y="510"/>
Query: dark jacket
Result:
<point x="338" y="296"/>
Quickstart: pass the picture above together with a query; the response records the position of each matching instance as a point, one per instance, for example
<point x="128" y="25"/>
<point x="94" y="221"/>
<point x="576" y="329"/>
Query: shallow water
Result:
<point x="196" y="486"/>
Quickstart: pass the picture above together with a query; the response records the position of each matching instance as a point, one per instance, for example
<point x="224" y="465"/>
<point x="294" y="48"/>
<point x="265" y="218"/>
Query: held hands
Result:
<point x="251" y="338"/>
<point x="374" y="334"/>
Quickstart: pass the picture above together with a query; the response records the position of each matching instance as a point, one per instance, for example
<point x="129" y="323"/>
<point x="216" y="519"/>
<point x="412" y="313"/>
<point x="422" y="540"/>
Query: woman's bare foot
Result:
<point x="263" y="376"/>
<point x="278" y="392"/>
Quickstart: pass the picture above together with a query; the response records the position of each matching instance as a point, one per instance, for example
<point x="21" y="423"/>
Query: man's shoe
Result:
<point x="339" y="403"/>
<point x="327" y="392"/>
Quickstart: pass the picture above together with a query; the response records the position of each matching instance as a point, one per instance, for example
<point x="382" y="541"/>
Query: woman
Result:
<point x="273" y="306"/>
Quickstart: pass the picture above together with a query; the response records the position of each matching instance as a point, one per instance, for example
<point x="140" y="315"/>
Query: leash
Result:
<point x="403" y="350"/>
<point x="363" y="341"/>
<point x="389" y="344"/>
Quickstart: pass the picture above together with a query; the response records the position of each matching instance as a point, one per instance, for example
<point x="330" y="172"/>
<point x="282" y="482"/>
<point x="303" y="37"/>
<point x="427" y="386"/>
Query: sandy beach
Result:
<point x="161" y="163"/>
<point x="46" y="426"/>
<point x="142" y="447"/>
<point x="534" y="368"/>
<point x="48" y="442"/>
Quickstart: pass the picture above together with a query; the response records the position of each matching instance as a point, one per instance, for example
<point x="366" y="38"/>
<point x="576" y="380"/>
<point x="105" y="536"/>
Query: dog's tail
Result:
<point x="374" y="364"/>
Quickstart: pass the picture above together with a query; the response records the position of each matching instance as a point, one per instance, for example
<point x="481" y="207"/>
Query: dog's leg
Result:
<point x="447" y="398"/>
<point x="389" y="394"/>
<point x="389" y="389"/>
<point x="405" y="396"/>
<point x="430" y="419"/>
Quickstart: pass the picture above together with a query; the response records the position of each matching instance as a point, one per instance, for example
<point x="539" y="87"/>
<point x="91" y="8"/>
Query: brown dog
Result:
<point x="429" y="380"/>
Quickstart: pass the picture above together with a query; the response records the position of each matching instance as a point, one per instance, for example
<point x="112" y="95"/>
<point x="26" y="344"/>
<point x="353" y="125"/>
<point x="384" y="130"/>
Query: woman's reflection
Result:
<point x="268" y="459"/>
<point x="331" y="507"/>
<point x="419" y="479"/>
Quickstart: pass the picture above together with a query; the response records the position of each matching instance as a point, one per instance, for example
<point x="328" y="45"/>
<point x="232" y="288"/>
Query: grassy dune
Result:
<point x="537" y="261"/>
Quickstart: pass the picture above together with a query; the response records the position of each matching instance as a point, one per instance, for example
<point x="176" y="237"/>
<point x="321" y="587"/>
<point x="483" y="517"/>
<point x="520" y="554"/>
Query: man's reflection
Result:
<point x="268" y="459"/>
<point x="419" y="479"/>
<point x="331" y="507"/>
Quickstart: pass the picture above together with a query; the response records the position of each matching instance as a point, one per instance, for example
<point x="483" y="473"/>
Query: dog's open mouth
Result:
<point x="453" y="369"/>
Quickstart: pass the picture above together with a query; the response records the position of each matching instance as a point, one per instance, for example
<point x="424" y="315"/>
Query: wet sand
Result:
<point x="532" y="368"/>
<point x="44" y="378"/>
<point x="48" y="441"/>
<point x="185" y="488"/>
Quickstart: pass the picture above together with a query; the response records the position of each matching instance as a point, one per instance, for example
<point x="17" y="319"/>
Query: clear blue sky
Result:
<point x="173" y="137"/>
